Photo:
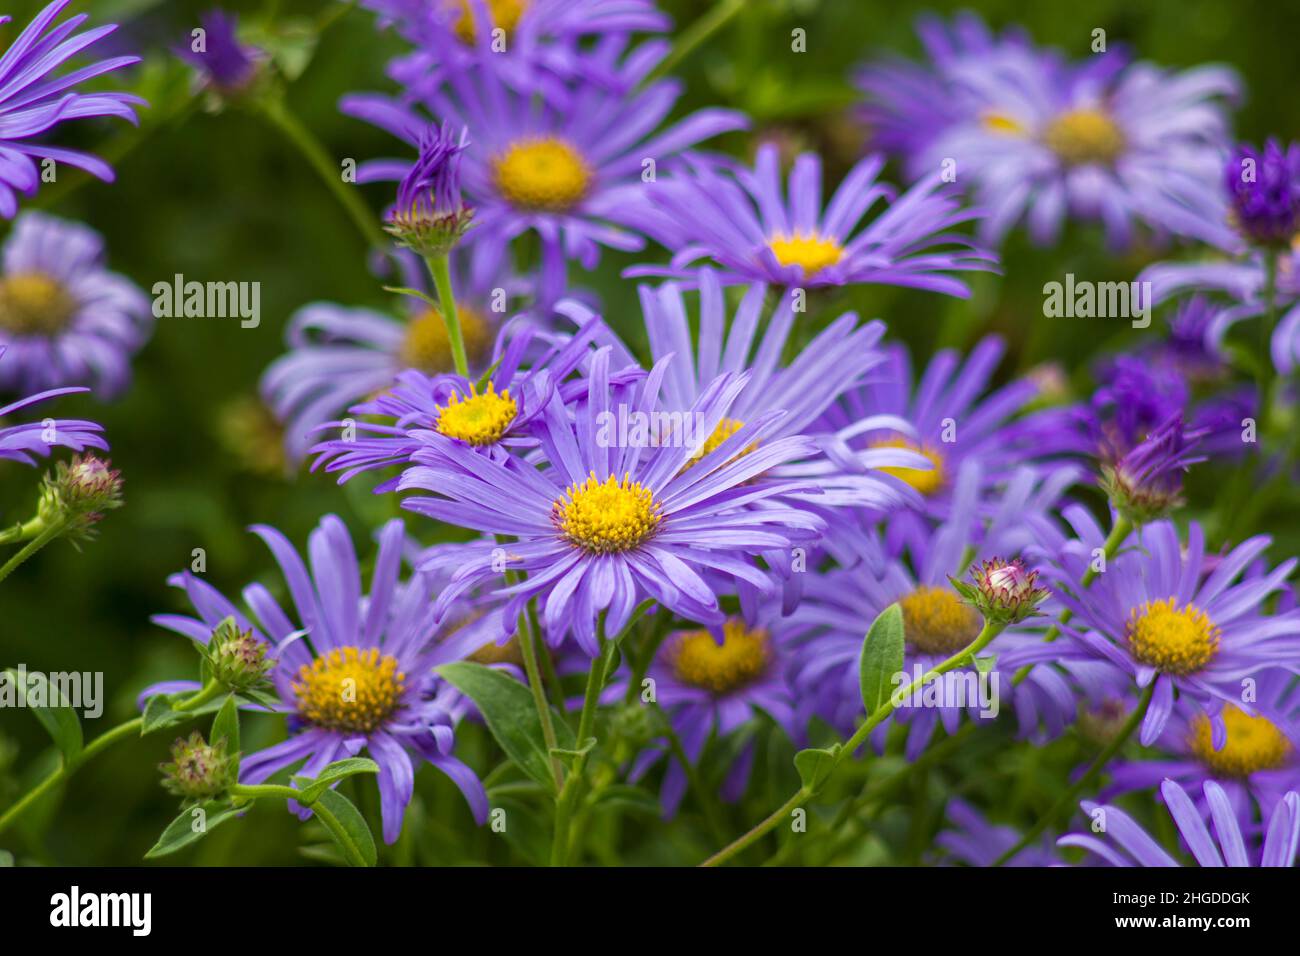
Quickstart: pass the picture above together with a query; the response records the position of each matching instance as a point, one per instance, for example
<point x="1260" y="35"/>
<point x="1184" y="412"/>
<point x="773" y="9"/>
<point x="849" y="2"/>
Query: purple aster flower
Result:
<point x="1189" y="346"/>
<point x="429" y="217"/>
<point x="20" y="442"/>
<point x="741" y="220"/>
<point x="1163" y="616"/>
<point x="1127" y="844"/>
<point x="1257" y="765"/>
<point x="604" y="527"/>
<point x="950" y="424"/>
<point x="225" y="63"/>
<point x="710" y="686"/>
<point x="32" y="101"/>
<point x="428" y="411"/>
<point x="339" y="356"/>
<point x="527" y="41"/>
<point x="387" y="641"/>
<point x="839" y="606"/>
<point x="571" y="172"/>
<point x="973" y="841"/>
<point x="64" y="318"/>
<point x="1101" y="140"/>
<point x="1264" y="189"/>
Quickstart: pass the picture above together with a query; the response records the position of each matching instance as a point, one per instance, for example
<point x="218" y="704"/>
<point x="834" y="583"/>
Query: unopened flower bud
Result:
<point x="237" y="658"/>
<point x="79" y="492"/>
<point x="198" y="770"/>
<point x="1146" y="483"/>
<point x="1005" y="592"/>
<point x="429" y="217"/>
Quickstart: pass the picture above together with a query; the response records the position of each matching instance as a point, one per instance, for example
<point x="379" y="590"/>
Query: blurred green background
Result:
<point x="221" y="196"/>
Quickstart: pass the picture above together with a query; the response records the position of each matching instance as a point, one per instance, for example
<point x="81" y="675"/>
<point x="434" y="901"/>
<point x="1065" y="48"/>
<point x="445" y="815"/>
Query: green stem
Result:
<point x="47" y="534"/>
<point x="102" y="742"/>
<point x="1268" y="321"/>
<point x="596" y="678"/>
<point x="960" y="659"/>
<point x="1071" y="795"/>
<point x="694" y="35"/>
<point x="23" y="531"/>
<point x="319" y="159"/>
<point x="441" y="273"/>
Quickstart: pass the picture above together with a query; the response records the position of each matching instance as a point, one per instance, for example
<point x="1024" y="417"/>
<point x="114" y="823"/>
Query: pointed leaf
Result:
<point x="332" y="774"/>
<point x="882" y="658"/>
<point x="191" y="826"/>
<point x="356" y="841"/>
<point x="51" y="708"/>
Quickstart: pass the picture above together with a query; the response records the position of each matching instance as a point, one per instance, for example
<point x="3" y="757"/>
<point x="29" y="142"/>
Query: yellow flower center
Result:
<point x="33" y="303"/>
<point x="935" y="621"/>
<point x="427" y="348"/>
<point x="1002" y="123"/>
<point x="479" y="419"/>
<point x="1253" y="744"/>
<point x="1172" y="639"/>
<point x="350" y="689"/>
<point x="812" y="252"/>
<point x="542" y="173"/>
<point x="726" y="428"/>
<point x="925" y="482"/>
<point x="606" y="517"/>
<point x="1084" y="136"/>
<point x="504" y="14"/>
<point x="741" y="658"/>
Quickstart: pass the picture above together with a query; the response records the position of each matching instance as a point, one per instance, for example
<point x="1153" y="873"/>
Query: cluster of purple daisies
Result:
<point x="734" y="486"/>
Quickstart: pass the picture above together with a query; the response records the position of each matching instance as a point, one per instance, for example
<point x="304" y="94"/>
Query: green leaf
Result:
<point x="356" y="842"/>
<point x="158" y="714"/>
<point x="507" y="707"/>
<point x="226" y="725"/>
<point x="985" y="664"/>
<point x="51" y="708"/>
<point x="405" y="290"/>
<point x="815" y="766"/>
<point x="338" y="770"/>
<point x="190" y="828"/>
<point x="569" y="756"/>
<point x="881" y="658"/>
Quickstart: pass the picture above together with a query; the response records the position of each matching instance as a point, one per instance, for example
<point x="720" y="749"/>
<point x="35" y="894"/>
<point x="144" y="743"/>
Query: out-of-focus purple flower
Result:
<point x="1125" y="843"/>
<point x="973" y="841"/>
<point x="32" y="101"/>
<point x="744" y="221"/>
<point x="429" y="217"/>
<point x="226" y="65"/>
<point x="20" y="442"/>
<point x="1264" y="189"/>
<point x="530" y="43"/>
<point x="1042" y="138"/>
<point x="569" y="172"/>
<point x="64" y="318"/>
<point x="1146" y="482"/>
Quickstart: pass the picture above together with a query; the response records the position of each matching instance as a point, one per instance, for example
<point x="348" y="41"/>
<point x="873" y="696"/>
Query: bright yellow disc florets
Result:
<point x="1172" y="639"/>
<point x="935" y="621"/>
<point x="427" y="348"/>
<point x="1253" y="744"/>
<point x="811" y="251"/>
<point x="741" y="658"/>
<point x="504" y="14"/>
<point x="726" y="428"/>
<point x="1084" y="136"/>
<point x="33" y="303"/>
<point x="350" y="690"/>
<point x="478" y="419"/>
<point x="606" y="517"/>
<point x="543" y="173"/>
<point x="925" y="482"/>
